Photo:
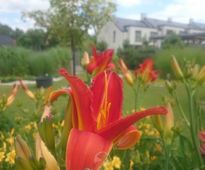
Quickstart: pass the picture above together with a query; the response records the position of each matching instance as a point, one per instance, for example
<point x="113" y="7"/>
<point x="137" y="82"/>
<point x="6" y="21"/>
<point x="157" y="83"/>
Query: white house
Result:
<point x="115" y="32"/>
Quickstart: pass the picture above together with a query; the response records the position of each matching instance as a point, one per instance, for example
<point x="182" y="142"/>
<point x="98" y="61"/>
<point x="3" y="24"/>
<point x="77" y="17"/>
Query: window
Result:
<point x="153" y="34"/>
<point x="114" y="36"/>
<point x="170" y="32"/>
<point x="137" y="36"/>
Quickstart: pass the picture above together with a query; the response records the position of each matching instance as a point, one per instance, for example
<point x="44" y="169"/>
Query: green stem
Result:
<point x="182" y="111"/>
<point x="136" y="95"/>
<point x="87" y="78"/>
<point x="193" y="122"/>
<point x="166" y="151"/>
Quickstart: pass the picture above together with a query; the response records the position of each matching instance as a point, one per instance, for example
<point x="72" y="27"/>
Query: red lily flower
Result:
<point x="100" y="61"/>
<point x="202" y="136"/>
<point x="202" y="139"/>
<point x="146" y="71"/>
<point x="98" y="122"/>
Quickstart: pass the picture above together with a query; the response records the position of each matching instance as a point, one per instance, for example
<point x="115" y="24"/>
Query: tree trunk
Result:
<point x="73" y="52"/>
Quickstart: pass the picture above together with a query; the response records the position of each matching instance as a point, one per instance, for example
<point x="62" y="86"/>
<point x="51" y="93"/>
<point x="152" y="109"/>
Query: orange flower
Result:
<point x="99" y="61"/>
<point x="97" y="122"/>
<point x="202" y="139"/>
<point x="146" y="71"/>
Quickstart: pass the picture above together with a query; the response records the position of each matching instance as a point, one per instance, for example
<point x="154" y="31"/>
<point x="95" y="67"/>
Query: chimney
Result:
<point x="191" y="20"/>
<point x="143" y="16"/>
<point x="169" y="19"/>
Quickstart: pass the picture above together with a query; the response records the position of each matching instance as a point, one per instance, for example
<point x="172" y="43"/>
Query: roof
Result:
<point x="6" y="40"/>
<point x="158" y="23"/>
<point x="123" y="24"/>
<point x="185" y="36"/>
<point x="196" y="25"/>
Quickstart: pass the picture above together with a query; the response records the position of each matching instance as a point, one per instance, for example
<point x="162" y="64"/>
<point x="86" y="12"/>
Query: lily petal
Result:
<point x="104" y="60"/>
<point x="92" y="65"/>
<point x="82" y="97"/>
<point x="55" y="94"/>
<point x="86" y="150"/>
<point x="114" y="129"/>
<point x="128" y="138"/>
<point x="202" y="149"/>
<point x="107" y="94"/>
<point x="202" y="136"/>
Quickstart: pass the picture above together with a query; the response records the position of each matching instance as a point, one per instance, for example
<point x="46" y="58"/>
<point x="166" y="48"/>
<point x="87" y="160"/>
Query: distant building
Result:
<point x="6" y="40"/>
<point x="115" y="32"/>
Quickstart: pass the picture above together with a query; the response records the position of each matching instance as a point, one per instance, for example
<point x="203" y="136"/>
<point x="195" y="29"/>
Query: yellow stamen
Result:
<point x="104" y="108"/>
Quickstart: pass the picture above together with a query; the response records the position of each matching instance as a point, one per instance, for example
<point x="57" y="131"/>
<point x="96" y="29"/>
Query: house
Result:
<point x="136" y="32"/>
<point x="6" y="40"/>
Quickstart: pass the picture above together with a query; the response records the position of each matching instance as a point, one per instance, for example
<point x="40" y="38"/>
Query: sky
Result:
<point x="177" y="10"/>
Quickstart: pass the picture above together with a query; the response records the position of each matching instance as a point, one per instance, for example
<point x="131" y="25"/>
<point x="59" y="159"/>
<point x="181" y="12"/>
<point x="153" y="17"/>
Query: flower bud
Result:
<point x="201" y="75"/>
<point x="128" y="77"/>
<point x="170" y="86"/>
<point x="12" y="96"/>
<point x="27" y="91"/>
<point x="85" y="59"/>
<point x="22" y="149"/>
<point x="127" y="74"/>
<point x="169" y="118"/>
<point x="43" y="152"/>
<point x="176" y="68"/>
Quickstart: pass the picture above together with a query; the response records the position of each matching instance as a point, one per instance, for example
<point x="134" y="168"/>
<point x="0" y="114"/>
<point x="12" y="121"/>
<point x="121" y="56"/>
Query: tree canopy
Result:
<point x="70" y="20"/>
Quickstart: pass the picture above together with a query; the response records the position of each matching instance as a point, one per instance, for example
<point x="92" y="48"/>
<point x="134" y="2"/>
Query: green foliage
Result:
<point x="172" y="41"/>
<point x="69" y="21"/>
<point x="24" y="62"/>
<point x="101" y="46"/>
<point x="134" y="56"/>
<point x="13" y="61"/>
<point x="33" y="38"/>
<point x="162" y="58"/>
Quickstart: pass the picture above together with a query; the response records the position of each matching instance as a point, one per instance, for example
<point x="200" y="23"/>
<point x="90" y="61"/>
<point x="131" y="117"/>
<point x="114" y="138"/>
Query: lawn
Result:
<point x="23" y="107"/>
<point x="24" y="111"/>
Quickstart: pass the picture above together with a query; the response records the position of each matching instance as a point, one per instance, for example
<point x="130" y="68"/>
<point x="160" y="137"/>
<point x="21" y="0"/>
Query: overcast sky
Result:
<point x="178" y="10"/>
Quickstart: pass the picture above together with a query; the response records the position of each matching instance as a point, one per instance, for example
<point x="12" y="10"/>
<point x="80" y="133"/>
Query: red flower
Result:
<point x="100" y="61"/>
<point x="202" y="139"/>
<point x="97" y="120"/>
<point x="146" y="71"/>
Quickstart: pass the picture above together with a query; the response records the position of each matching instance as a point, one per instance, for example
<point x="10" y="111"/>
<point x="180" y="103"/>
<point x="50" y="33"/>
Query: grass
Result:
<point x="22" y="110"/>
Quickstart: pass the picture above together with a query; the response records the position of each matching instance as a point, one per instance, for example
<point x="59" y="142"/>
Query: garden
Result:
<point x="110" y="115"/>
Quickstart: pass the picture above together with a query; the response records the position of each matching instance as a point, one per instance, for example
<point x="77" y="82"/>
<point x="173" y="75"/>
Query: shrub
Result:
<point x="23" y="62"/>
<point x="101" y="46"/>
<point x="172" y="41"/>
<point x="162" y="58"/>
<point x="133" y="56"/>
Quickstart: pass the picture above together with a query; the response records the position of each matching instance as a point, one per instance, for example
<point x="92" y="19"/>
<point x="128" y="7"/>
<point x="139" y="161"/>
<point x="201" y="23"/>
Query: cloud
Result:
<point x="182" y="10"/>
<point x="23" y="5"/>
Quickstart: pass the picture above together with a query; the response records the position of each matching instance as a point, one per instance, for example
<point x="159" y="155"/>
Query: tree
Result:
<point x="172" y="41"/>
<point x="5" y="30"/>
<point x="70" y="20"/>
<point x="33" y="38"/>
